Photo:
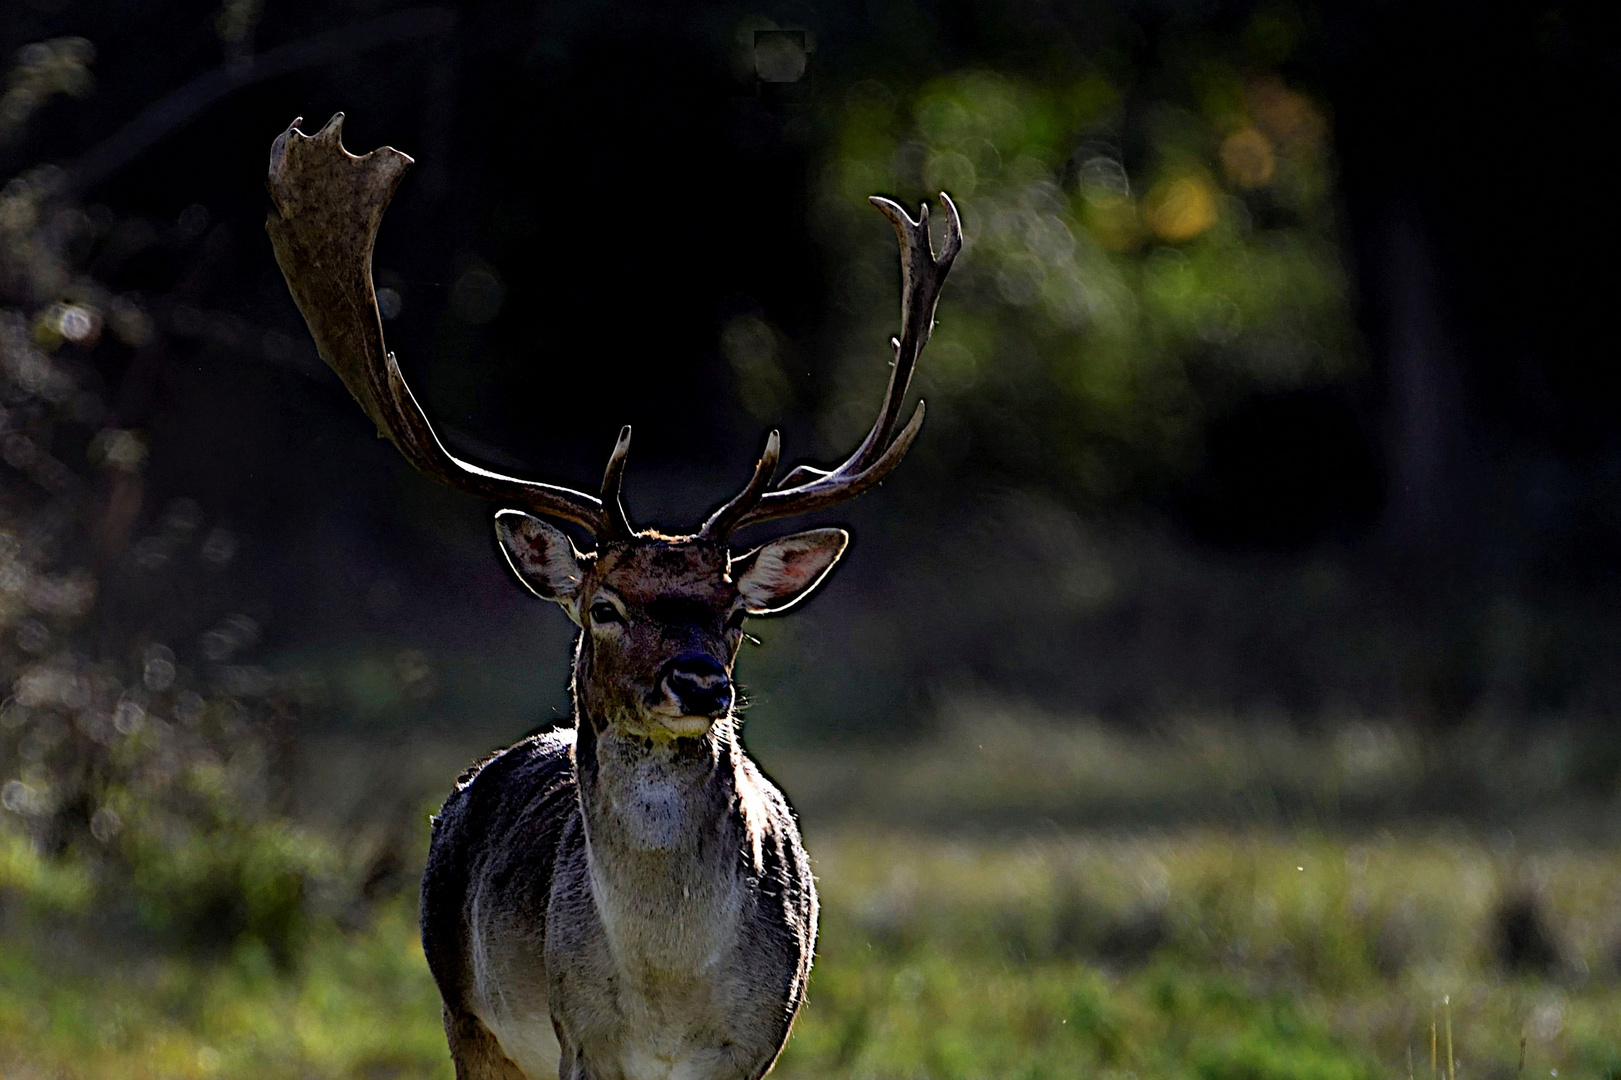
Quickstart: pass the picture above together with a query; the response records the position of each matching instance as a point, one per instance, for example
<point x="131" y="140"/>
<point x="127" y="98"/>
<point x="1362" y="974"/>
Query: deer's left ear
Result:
<point x="778" y="575"/>
<point x="543" y="557"/>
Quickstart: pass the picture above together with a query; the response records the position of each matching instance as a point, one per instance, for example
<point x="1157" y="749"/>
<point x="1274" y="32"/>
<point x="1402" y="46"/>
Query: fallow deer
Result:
<point x="628" y="899"/>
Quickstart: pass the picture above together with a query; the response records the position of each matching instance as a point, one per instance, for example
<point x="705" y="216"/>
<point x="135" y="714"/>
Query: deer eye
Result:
<point x="603" y="613"/>
<point x="735" y="622"/>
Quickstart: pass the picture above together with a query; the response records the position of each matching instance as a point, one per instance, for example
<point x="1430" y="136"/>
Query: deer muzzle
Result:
<point x="697" y="688"/>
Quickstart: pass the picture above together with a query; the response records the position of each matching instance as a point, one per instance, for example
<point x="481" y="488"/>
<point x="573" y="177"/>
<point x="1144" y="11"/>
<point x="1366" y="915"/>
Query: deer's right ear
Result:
<point x="543" y="558"/>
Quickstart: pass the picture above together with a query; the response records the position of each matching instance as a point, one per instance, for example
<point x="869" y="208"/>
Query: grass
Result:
<point x="1266" y="956"/>
<point x="1206" y="955"/>
<point x="1020" y="898"/>
<point x="360" y="1005"/>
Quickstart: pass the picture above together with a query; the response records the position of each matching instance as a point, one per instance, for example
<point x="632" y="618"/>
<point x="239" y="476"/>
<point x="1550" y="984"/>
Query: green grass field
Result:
<point x="1016" y="898"/>
<point x="1265" y="956"/>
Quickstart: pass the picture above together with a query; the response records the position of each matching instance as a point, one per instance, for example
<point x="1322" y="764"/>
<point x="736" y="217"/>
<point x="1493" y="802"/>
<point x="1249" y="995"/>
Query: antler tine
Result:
<point x="328" y="207"/>
<point x="724" y="520"/>
<point x="615" y="525"/>
<point x="923" y="273"/>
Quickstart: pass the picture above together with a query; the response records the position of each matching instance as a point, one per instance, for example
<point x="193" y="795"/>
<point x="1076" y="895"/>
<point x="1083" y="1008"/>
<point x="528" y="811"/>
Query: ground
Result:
<point x="1258" y="956"/>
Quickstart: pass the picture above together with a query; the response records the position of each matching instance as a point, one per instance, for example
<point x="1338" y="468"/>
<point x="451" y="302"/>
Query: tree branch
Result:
<point x="177" y="108"/>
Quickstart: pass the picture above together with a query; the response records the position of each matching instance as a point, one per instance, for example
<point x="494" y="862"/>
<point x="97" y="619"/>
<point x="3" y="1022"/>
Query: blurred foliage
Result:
<point x="995" y="763"/>
<point x="1108" y="303"/>
<point x="142" y="752"/>
<point x="44" y="70"/>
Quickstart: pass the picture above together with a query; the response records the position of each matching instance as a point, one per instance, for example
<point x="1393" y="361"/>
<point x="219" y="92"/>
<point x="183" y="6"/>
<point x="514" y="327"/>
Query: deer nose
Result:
<point x="699" y="685"/>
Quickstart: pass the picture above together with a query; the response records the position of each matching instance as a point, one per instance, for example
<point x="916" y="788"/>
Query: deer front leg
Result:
<point x="476" y="1053"/>
<point x="713" y="1065"/>
<point x="575" y="1067"/>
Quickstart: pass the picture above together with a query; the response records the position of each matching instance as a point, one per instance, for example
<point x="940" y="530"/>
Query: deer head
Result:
<point x="661" y="616"/>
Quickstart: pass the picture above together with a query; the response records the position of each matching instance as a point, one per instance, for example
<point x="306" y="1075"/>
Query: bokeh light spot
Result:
<point x="1180" y="209"/>
<point x="1247" y="158"/>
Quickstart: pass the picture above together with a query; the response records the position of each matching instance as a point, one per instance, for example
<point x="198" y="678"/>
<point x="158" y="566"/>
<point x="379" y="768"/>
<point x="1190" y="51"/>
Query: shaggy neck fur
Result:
<point x="663" y="837"/>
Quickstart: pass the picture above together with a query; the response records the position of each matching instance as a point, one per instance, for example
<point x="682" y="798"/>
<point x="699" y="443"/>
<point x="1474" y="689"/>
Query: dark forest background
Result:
<point x="1277" y="376"/>
<point x="1222" y="688"/>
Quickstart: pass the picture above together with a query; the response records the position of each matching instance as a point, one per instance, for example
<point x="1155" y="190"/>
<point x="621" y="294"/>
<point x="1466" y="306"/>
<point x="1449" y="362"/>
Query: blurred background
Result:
<point x="1222" y="688"/>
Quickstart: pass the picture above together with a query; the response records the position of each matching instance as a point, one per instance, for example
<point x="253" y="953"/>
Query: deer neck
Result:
<point x="667" y="799"/>
<point x="663" y="832"/>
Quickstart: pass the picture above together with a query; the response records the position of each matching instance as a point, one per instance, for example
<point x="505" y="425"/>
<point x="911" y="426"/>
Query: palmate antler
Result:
<point x="328" y="206"/>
